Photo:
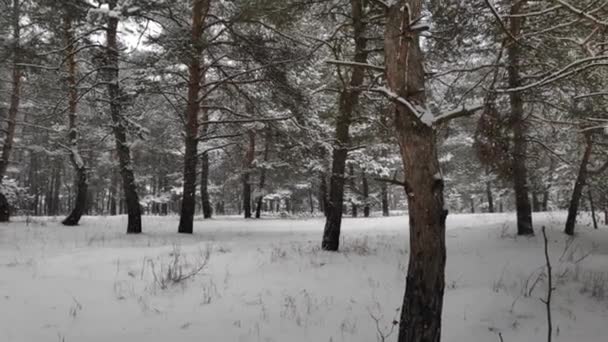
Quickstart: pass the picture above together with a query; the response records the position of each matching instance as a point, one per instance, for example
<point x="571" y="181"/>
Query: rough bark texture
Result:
<point x="196" y="76"/>
<point x="13" y="110"/>
<point x="519" y="172"/>
<point x="423" y="300"/>
<point x="77" y="161"/>
<point x="120" y="133"/>
<point x="247" y="165"/>
<point x="577" y="192"/>
<point x="349" y="98"/>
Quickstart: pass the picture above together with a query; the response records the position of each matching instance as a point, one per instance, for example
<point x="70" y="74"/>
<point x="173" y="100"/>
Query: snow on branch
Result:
<point x="582" y="13"/>
<point x="355" y="64"/>
<point x="570" y="69"/>
<point x="456" y="113"/>
<point x="425" y="115"/>
<point x="600" y="93"/>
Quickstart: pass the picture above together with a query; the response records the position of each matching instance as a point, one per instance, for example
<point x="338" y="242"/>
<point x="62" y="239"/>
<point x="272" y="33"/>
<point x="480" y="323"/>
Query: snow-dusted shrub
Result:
<point x="177" y="268"/>
<point x="17" y="196"/>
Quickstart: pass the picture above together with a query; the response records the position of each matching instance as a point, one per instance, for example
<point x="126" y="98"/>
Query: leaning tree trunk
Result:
<point x="349" y="98"/>
<point x="260" y="197"/>
<point x="118" y="126"/>
<point x="247" y="166"/>
<point x="423" y="300"/>
<point x="77" y="161"/>
<point x="519" y="171"/>
<point x="186" y="219"/>
<point x="577" y="192"/>
<point x="7" y="146"/>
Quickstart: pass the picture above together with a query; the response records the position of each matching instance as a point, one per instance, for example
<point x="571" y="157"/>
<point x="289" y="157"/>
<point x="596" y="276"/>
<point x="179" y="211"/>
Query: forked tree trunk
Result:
<point x="120" y="133"/>
<point x="519" y="153"/>
<point x="423" y="300"/>
<point x="348" y="100"/>
<point x="13" y="110"/>
<point x="77" y="161"/>
<point x="577" y="192"/>
<point x="260" y="197"/>
<point x="196" y="76"/>
<point x="247" y="166"/>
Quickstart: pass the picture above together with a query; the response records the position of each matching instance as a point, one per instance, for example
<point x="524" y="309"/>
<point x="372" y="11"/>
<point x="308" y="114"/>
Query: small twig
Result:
<point x="547" y="301"/>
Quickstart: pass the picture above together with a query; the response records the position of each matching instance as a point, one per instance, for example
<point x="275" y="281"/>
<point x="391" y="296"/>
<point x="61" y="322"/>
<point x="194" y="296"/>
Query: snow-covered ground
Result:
<point x="268" y="280"/>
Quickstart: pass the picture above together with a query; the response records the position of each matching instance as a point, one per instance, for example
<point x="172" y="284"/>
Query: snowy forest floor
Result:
<point x="268" y="280"/>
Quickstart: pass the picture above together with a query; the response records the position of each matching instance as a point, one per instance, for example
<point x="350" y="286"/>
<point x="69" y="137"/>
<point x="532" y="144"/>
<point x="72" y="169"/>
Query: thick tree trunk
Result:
<point x="384" y="199"/>
<point x="365" y="189"/>
<point x="77" y="162"/>
<point x="423" y="300"/>
<point x="186" y="219"/>
<point x="519" y="154"/>
<point x="260" y="197"/>
<point x="120" y="133"/>
<point x="577" y="192"/>
<point x="247" y="166"/>
<point x="349" y="98"/>
<point x="13" y="110"/>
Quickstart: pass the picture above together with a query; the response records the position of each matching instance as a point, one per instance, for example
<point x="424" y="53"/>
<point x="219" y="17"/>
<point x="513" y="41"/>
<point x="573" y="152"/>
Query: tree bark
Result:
<point x="423" y="300"/>
<point x="247" y="166"/>
<point x="77" y="161"/>
<point x="348" y="100"/>
<point x="578" y="187"/>
<point x="196" y="76"/>
<point x="519" y="170"/>
<point x="13" y="110"/>
<point x="120" y="133"/>
<point x="260" y="197"/>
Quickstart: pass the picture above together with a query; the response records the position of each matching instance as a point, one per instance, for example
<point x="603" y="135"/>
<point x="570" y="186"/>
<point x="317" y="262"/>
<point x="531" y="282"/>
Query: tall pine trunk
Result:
<point x="205" y="198"/>
<point x="260" y="197"/>
<point x="196" y="76"/>
<point x="247" y="166"/>
<point x="384" y="199"/>
<point x="120" y="132"/>
<point x="519" y="170"/>
<point x="348" y="100"/>
<point x="77" y="161"/>
<point x="423" y="300"/>
<point x="13" y="110"/>
<point x="577" y="192"/>
<point x="365" y="189"/>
